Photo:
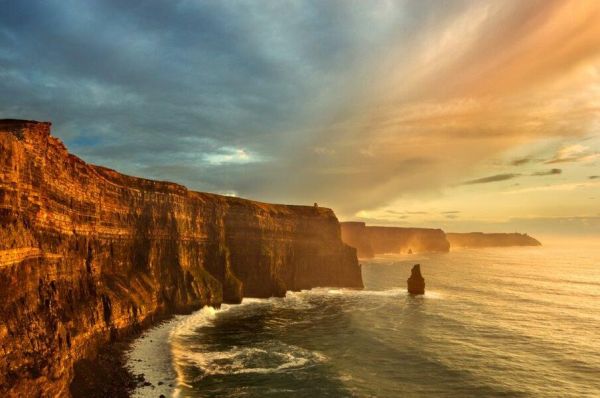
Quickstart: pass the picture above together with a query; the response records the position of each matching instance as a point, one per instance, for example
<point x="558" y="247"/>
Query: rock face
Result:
<point x="87" y="254"/>
<point x="355" y="234"/>
<point x="381" y="240"/>
<point x="479" y="239"/>
<point x="416" y="283"/>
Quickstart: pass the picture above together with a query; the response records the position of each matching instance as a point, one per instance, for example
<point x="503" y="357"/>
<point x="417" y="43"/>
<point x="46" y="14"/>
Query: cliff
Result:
<point x="380" y="240"/>
<point x="87" y="254"/>
<point x="479" y="239"/>
<point x="355" y="234"/>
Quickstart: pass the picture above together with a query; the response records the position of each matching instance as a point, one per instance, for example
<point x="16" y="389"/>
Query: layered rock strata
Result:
<point x="87" y="254"/>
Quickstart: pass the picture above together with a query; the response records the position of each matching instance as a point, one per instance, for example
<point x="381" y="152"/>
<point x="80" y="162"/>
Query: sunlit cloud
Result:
<point x="574" y="153"/>
<point x="227" y="155"/>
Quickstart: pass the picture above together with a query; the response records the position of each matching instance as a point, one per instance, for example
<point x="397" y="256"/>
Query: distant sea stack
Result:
<point x="370" y="241"/>
<point x="88" y="254"/>
<point x="479" y="239"/>
<point x="416" y="283"/>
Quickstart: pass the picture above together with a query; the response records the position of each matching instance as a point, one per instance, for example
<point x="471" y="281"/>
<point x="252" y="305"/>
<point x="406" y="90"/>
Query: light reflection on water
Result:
<point x="493" y="322"/>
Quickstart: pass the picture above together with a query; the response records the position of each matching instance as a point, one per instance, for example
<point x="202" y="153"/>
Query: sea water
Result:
<point x="503" y="322"/>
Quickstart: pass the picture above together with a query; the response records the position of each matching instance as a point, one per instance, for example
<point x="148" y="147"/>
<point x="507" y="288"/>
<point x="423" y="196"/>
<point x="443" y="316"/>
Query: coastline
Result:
<point x="108" y="374"/>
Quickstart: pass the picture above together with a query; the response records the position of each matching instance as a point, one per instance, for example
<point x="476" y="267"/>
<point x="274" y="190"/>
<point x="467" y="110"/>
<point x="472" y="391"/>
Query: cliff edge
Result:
<point x="87" y="254"/>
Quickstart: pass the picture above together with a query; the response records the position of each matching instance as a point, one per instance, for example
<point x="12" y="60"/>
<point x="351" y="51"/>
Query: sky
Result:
<point x="465" y="115"/>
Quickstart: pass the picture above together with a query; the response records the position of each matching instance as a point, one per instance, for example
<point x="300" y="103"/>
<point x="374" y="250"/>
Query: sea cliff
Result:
<point x="88" y="254"/>
<point x="480" y="239"/>
<point x="369" y="240"/>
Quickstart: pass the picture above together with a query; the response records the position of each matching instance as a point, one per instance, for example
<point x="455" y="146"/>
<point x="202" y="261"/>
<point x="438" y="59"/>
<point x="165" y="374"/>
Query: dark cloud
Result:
<point x="494" y="178"/>
<point x="547" y="172"/>
<point x="522" y="161"/>
<point x="593" y="177"/>
<point x="510" y="176"/>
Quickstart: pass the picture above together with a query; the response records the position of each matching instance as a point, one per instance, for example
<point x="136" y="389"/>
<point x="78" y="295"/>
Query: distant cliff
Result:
<point x="87" y="254"/>
<point x="355" y="234"/>
<point x="369" y="241"/>
<point x="479" y="239"/>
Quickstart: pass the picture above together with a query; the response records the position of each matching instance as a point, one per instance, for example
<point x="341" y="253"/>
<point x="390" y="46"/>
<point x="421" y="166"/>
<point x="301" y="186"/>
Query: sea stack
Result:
<point x="416" y="283"/>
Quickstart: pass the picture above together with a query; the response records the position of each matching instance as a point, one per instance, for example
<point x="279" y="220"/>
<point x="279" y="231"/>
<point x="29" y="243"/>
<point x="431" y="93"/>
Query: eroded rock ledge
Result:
<point x="87" y="253"/>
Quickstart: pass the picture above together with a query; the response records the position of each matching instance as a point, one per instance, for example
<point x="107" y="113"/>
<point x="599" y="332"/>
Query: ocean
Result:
<point x="501" y="322"/>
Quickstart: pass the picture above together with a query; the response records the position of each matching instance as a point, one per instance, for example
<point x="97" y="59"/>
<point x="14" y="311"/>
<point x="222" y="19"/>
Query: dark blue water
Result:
<point x="498" y="323"/>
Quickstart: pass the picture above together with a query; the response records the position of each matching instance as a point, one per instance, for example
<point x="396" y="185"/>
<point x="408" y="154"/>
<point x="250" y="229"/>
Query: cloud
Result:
<point x="510" y="176"/>
<point x="555" y="187"/>
<point x="593" y="177"/>
<point x="547" y="173"/>
<point x="494" y="178"/>
<point x="227" y="155"/>
<point x="574" y="153"/>
<point x="362" y="103"/>
<point x="522" y="161"/>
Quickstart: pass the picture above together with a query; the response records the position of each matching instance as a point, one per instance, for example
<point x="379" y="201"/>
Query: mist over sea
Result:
<point x="502" y="322"/>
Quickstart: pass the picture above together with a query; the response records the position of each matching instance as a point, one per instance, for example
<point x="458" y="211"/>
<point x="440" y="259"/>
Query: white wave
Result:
<point x="206" y="316"/>
<point x="271" y="357"/>
<point x="203" y="317"/>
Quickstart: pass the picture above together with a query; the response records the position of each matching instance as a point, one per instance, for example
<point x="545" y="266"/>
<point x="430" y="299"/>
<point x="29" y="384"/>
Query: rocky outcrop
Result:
<point x="87" y="254"/>
<point x="416" y="283"/>
<point x="381" y="240"/>
<point x="479" y="239"/>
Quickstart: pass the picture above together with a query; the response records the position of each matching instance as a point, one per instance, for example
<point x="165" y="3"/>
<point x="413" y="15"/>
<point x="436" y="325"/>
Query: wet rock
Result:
<point x="416" y="283"/>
